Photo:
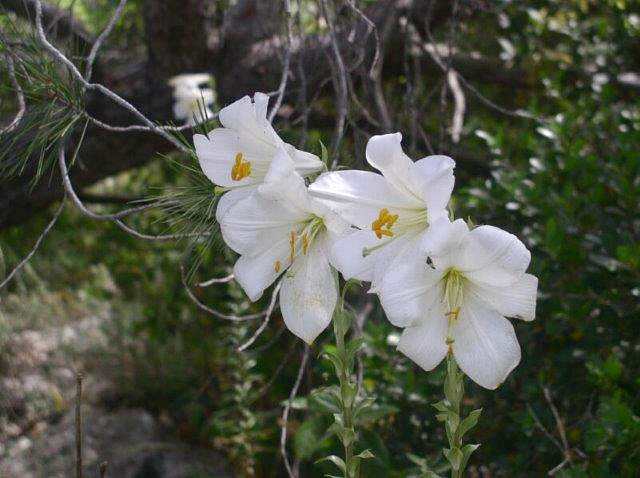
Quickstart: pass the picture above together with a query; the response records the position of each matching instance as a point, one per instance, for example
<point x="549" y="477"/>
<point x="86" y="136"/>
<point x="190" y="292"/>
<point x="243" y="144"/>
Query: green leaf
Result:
<point x="467" y="450"/>
<point x="324" y="154"/>
<point x="353" y="347"/>
<point x="468" y="423"/>
<point x="442" y="406"/>
<point x="348" y="394"/>
<point x="336" y="460"/>
<point x="334" y="357"/>
<point x="454" y="457"/>
<point x="354" y="466"/>
<point x="370" y="412"/>
<point x="342" y="322"/>
<point x="366" y="454"/>
<point x="309" y="438"/>
<point x="347" y="436"/>
<point x="326" y="400"/>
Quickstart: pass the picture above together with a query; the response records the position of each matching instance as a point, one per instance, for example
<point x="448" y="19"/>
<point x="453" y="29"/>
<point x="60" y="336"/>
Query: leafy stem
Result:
<point x="348" y="406"/>
<point x="449" y="412"/>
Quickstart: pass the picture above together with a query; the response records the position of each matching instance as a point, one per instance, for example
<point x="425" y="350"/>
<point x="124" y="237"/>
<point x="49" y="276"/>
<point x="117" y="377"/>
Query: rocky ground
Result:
<point x="38" y="366"/>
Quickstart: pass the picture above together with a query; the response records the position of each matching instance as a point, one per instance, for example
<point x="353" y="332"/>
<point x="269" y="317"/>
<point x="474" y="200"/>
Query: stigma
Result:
<point x="241" y="168"/>
<point x="382" y="226"/>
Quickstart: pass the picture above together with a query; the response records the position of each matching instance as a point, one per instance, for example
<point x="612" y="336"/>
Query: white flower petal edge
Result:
<point x="307" y="297"/>
<point x="280" y="229"/>
<point x="239" y="154"/>
<point x="391" y="208"/>
<point x="470" y="281"/>
<point x="485" y="344"/>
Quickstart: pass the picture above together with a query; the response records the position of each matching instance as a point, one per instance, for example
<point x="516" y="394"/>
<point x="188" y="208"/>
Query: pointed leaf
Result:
<point x="336" y="460"/>
<point x="468" y="423"/>
<point x="467" y="450"/>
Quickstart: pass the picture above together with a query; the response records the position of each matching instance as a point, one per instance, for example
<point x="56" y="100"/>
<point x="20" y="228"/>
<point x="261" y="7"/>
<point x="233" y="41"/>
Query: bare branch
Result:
<point x="141" y="128"/>
<point x="102" y="37"/>
<point x="61" y="58"/>
<point x="459" y="105"/>
<point x="64" y="172"/>
<point x="285" y="413"/>
<point x="287" y="61"/>
<point x="216" y="280"/>
<point x="340" y="85"/>
<point x="35" y="247"/>
<point x="209" y="310"/>
<point x="265" y="322"/>
<point x="275" y="374"/>
<point x="117" y="217"/>
<point x="557" y="418"/>
<point x="432" y="50"/>
<point x="22" y="107"/>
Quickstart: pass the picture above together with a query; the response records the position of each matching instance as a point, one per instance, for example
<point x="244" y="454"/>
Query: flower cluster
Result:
<point x="448" y="286"/>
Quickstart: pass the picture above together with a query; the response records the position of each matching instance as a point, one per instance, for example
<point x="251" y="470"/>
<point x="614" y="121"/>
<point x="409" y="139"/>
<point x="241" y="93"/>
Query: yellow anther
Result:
<point x="277" y="266"/>
<point x="241" y="168"/>
<point x="292" y="245"/>
<point x="382" y="225"/>
<point x="305" y="243"/>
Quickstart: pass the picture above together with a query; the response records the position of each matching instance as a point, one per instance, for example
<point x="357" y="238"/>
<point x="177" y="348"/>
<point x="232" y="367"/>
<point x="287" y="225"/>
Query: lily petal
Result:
<point x="309" y="294"/>
<point x="217" y="155"/>
<point x="485" y="344"/>
<point x="425" y="342"/>
<point x="305" y="163"/>
<point x="435" y="180"/>
<point x="250" y="118"/>
<point x="495" y="257"/>
<point x="516" y="300"/>
<point x="255" y="223"/>
<point x="358" y="196"/>
<point x="286" y="187"/>
<point x="442" y="240"/>
<point x="256" y="272"/>
<point x="384" y="152"/>
<point x="347" y="255"/>
<point x="231" y="198"/>
<point x="409" y="289"/>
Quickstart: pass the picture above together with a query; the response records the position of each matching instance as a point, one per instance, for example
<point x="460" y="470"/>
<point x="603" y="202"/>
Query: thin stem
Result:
<point x="455" y="425"/>
<point x="344" y="378"/>
<point x="348" y="389"/>
<point x="79" y="378"/>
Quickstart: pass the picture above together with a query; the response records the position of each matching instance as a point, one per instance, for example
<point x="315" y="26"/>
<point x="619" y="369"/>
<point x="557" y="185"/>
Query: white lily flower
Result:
<point x="192" y="101"/>
<point x="192" y="105"/>
<point x="391" y="210"/>
<point x="237" y="156"/>
<point x="193" y="80"/>
<point x="453" y="294"/>
<point x="281" y="229"/>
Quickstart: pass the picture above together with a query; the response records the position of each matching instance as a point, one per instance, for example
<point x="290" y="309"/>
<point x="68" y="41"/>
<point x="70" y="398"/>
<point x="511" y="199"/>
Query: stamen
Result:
<point x="382" y="225"/>
<point x="241" y="168"/>
<point x="292" y="246"/>
<point x="453" y="292"/>
<point x="277" y="266"/>
<point x="453" y="315"/>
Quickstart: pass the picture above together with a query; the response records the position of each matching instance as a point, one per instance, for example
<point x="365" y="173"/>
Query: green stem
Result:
<point x="454" y="391"/>
<point x="347" y="397"/>
<point x="456" y="427"/>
